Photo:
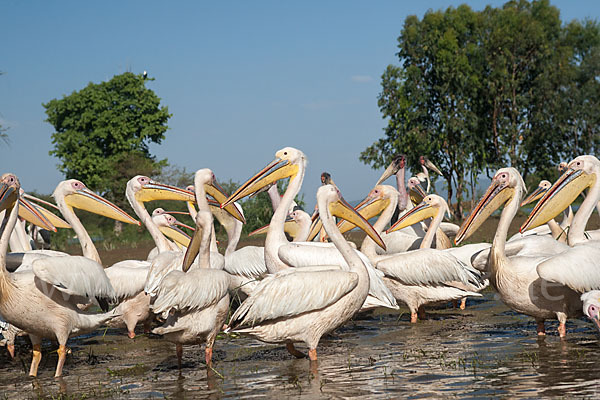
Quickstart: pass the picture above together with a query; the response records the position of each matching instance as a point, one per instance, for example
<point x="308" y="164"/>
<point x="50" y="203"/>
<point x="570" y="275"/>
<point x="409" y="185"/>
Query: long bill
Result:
<point x="218" y="193"/>
<point x="54" y="219"/>
<point x="416" y="214"/>
<point x="176" y="234"/>
<point x="30" y="213"/>
<point x="8" y="196"/>
<point x="368" y="208"/>
<point x="535" y="195"/>
<point x="274" y="171"/>
<point x="496" y="195"/>
<point x="564" y="191"/>
<point x="342" y="209"/>
<point x="417" y="194"/>
<point x="290" y="227"/>
<point x="87" y="200"/>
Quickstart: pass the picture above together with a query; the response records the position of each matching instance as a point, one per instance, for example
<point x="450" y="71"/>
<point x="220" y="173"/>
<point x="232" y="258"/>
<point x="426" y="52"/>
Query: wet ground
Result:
<point x="486" y="351"/>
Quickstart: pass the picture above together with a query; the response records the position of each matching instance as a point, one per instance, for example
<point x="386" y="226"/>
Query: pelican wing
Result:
<point x="74" y="275"/>
<point x="293" y="292"/>
<point x="161" y="265"/>
<point x="577" y="268"/>
<point x="303" y="255"/>
<point x="429" y="267"/>
<point x="248" y="262"/>
<point x="192" y="290"/>
<point x="128" y="277"/>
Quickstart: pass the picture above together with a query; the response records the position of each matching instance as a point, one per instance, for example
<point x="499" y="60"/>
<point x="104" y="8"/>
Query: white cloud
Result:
<point x="362" y="79"/>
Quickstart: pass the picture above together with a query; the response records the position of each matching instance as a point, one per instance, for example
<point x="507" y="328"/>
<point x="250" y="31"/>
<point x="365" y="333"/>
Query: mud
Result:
<point x="485" y="351"/>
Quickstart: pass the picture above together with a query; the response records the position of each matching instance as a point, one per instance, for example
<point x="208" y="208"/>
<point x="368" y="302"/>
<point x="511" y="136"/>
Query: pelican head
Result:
<point x="285" y="165"/>
<point x="168" y="225"/>
<point x="145" y="189"/>
<point x="396" y="165"/>
<point x="591" y="306"/>
<point x="77" y="195"/>
<point x="9" y="190"/>
<point x="506" y="184"/>
<point x="376" y="201"/>
<point x="562" y="167"/>
<point x="430" y="207"/>
<point x="338" y="207"/>
<point x="415" y="190"/>
<point x="206" y="177"/>
<point x="537" y="193"/>
<point x="580" y="175"/>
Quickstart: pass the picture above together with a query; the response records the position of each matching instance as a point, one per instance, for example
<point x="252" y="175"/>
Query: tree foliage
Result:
<point x="478" y="90"/>
<point x="104" y="130"/>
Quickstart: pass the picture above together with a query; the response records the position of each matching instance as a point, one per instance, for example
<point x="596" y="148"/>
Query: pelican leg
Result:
<point x="541" y="329"/>
<point x="562" y="330"/>
<point x="208" y="356"/>
<point x="131" y="334"/>
<point x="413" y="317"/>
<point x="312" y="354"/>
<point x="463" y="303"/>
<point x="295" y="352"/>
<point x="179" y="351"/>
<point x="11" y="349"/>
<point x="62" y="357"/>
<point x="37" y="355"/>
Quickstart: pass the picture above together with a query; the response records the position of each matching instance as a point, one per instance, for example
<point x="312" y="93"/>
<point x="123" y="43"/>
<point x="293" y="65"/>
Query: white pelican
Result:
<point x="421" y="276"/>
<point x="516" y="278"/>
<point x="301" y="305"/>
<point x="297" y="225"/>
<point x="577" y="267"/>
<point x="591" y="306"/>
<point x="44" y="305"/>
<point x="194" y="303"/>
<point x="281" y="254"/>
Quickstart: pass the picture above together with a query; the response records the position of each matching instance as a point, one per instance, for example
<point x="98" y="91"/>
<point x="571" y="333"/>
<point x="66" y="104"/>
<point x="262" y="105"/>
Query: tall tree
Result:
<point x="478" y="90"/>
<point x="107" y="127"/>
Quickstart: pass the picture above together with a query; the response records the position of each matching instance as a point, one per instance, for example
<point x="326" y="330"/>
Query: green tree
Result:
<point x="105" y="128"/>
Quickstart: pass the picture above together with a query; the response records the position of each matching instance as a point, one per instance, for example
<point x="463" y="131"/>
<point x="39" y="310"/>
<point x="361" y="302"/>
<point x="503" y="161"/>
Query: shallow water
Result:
<point x="486" y="351"/>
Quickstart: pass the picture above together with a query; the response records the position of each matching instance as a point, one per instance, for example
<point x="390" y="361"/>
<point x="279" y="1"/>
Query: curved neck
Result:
<point x="87" y="245"/>
<point x="205" y="244"/>
<point x="8" y="224"/>
<point x="403" y="194"/>
<point x="348" y="253"/>
<point x="433" y="228"/>
<point x="274" y="196"/>
<point x="580" y="220"/>
<point x="233" y="236"/>
<point x="303" y="229"/>
<point x="368" y="246"/>
<point x="508" y="213"/>
<point x="276" y="234"/>
<point x="161" y="242"/>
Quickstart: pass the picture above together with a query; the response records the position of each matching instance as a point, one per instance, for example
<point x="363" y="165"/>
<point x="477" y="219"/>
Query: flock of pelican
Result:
<point x="295" y="291"/>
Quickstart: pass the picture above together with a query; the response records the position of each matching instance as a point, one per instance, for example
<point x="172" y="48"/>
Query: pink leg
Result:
<point x="312" y="354"/>
<point x="463" y="303"/>
<point x="35" y="361"/>
<point x="562" y="330"/>
<point x="131" y="334"/>
<point x="208" y="356"/>
<point x="62" y="357"/>
<point x="413" y="318"/>
<point x="11" y="350"/>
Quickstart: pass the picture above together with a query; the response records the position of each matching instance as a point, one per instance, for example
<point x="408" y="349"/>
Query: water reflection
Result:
<point x="487" y="351"/>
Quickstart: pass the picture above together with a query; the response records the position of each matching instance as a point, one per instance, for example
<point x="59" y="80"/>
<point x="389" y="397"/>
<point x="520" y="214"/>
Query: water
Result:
<point x="486" y="351"/>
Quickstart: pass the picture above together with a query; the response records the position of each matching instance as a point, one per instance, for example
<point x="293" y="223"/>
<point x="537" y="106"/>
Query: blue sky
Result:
<point x="241" y="78"/>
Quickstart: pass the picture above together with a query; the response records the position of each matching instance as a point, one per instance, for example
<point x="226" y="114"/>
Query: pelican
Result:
<point x="516" y="278"/>
<point x="43" y="302"/>
<point x="204" y="183"/>
<point x="591" y="306"/>
<point x="279" y="254"/>
<point x="577" y="267"/>
<point x="421" y="276"/>
<point x="297" y="225"/>
<point x="301" y="305"/>
<point x="194" y="303"/>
